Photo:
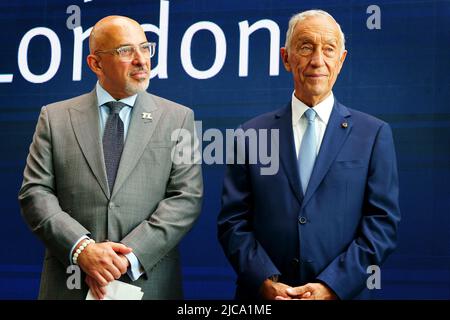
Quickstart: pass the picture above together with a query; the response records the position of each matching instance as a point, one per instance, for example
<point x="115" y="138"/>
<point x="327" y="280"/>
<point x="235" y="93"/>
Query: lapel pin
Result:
<point x="344" y="125"/>
<point x="147" y="116"/>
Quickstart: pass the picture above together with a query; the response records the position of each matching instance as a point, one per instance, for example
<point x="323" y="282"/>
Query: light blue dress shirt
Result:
<point x="125" y="114"/>
<point x="135" y="270"/>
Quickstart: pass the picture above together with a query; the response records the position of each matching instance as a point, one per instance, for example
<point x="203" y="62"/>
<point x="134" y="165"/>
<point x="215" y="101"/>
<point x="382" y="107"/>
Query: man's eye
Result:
<point x="306" y="49"/>
<point x="125" y="50"/>
<point x="145" y="47"/>
<point x="330" y="51"/>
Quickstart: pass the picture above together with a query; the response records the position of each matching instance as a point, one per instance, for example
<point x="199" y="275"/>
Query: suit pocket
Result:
<point x="156" y="161"/>
<point x="349" y="164"/>
<point x="159" y="144"/>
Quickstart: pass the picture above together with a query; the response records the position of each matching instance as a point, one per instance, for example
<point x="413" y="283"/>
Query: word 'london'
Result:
<point x="219" y="49"/>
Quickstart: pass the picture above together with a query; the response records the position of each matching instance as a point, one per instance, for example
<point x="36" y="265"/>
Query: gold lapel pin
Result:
<point x="344" y="125"/>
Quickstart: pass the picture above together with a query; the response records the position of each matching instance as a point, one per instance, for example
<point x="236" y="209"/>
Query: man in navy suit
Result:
<point x="312" y="229"/>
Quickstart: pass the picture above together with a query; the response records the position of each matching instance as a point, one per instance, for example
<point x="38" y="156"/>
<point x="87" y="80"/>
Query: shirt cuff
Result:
<point x="74" y="246"/>
<point x="135" y="270"/>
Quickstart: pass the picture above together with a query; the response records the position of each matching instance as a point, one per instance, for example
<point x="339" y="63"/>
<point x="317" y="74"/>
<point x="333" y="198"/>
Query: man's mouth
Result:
<point x="139" y="74"/>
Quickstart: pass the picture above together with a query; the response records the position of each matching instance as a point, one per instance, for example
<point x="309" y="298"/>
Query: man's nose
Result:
<point x="317" y="58"/>
<point x="139" y="58"/>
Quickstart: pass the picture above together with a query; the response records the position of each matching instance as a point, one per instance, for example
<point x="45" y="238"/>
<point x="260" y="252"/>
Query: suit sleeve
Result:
<point x="37" y="196"/>
<point x="174" y="216"/>
<point x="248" y="258"/>
<point x="347" y="274"/>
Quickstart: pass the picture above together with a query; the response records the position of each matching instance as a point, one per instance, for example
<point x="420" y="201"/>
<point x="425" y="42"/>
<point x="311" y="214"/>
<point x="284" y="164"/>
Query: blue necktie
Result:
<point x="113" y="137"/>
<point x="307" y="153"/>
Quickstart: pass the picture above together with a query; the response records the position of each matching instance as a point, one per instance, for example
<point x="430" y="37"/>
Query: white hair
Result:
<point x="307" y="14"/>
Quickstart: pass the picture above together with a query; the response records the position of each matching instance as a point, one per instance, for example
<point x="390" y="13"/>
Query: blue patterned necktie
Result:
<point x="113" y="137"/>
<point x="307" y="153"/>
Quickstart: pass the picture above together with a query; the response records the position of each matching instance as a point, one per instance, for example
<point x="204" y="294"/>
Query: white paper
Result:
<point x="118" y="290"/>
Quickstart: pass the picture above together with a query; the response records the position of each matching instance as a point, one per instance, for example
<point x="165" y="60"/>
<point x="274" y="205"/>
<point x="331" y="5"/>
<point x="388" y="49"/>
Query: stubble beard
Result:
<point x="134" y="87"/>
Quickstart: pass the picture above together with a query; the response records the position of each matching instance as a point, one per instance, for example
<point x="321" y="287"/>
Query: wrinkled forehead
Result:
<point x="317" y="29"/>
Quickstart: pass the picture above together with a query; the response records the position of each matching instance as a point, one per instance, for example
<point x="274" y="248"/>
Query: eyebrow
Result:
<point x="129" y="44"/>
<point x="305" y="39"/>
<point x="331" y="41"/>
<point x="309" y="39"/>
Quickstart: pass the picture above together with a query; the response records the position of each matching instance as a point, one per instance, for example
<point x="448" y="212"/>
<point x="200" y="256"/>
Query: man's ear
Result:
<point x="94" y="64"/>
<point x="284" y="58"/>
<point x="342" y="59"/>
<point x="344" y="54"/>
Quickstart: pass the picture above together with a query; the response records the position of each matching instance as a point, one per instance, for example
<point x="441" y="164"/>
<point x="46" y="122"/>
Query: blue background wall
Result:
<point x="399" y="73"/>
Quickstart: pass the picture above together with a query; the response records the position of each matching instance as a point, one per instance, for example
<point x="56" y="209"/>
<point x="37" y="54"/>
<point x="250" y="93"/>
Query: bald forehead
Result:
<point x="114" y="31"/>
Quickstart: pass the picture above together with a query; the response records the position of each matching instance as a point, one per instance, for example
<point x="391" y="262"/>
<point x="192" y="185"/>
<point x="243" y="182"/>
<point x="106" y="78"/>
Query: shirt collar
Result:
<point x="103" y="97"/>
<point x="323" y="109"/>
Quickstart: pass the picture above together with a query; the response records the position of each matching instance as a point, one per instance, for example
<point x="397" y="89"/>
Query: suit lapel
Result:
<point x="288" y="155"/>
<point x="85" y="123"/>
<point x="139" y="133"/>
<point x="335" y="135"/>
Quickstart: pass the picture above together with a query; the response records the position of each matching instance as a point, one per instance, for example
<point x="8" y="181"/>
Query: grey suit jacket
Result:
<point x="153" y="204"/>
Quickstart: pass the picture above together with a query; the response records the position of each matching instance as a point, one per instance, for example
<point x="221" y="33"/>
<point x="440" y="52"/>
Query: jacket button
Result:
<point x="295" y="262"/>
<point x="302" y="220"/>
<point x="111" y="205"/>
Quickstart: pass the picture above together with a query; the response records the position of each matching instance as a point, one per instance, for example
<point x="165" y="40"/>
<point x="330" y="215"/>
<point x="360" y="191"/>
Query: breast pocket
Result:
<point x="349" y="164"/>
<point x="157" y="154"/>
<point x="347" y="172"/>
<point x="152" y="172"/>
<point x="159" y="144"/>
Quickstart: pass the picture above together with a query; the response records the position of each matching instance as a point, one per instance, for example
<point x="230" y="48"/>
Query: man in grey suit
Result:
<point x="100" y="168"/>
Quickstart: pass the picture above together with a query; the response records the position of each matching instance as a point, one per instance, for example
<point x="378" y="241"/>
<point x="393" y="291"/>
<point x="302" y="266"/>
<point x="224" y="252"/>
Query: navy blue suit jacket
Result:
<point x="346" y="221"/>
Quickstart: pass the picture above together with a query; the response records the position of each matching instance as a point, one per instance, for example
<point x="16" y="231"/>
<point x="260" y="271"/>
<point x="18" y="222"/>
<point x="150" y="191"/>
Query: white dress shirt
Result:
<point x="300" y="123"/>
